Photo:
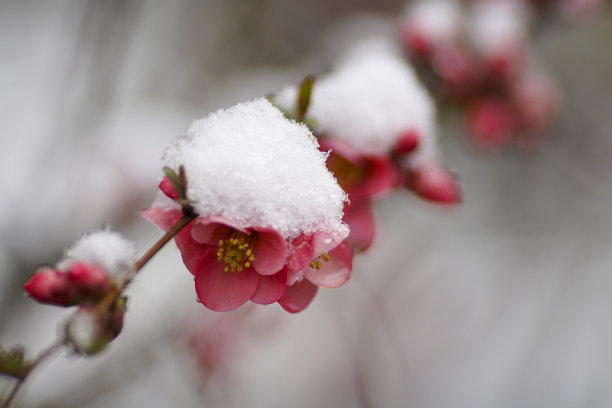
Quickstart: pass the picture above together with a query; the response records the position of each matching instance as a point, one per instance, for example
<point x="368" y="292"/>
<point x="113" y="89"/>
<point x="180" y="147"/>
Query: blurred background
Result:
<point x="503" y="301"/>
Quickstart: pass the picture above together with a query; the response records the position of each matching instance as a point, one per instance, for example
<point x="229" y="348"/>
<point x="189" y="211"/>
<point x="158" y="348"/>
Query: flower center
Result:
<point x="316" y="263"/>
<point x="347" y="173"/>
<point x="236" y="251"/>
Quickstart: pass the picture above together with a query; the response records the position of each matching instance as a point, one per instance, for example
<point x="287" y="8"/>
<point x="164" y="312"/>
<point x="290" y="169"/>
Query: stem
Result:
<point x="45" y="355"/>
<point x="104" y="303"/>
<point x="114" y="294"/>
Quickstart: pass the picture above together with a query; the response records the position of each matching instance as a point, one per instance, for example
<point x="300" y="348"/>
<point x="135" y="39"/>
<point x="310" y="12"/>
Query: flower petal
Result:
<point x="270" y="288"/>
<point x="210" y="233"/>
<point x="223" y="291"/>
<point x="360" y="219"/>
<point x="326" y="240"/>
<point x="335" y="272"/>
<point x="380" y="177"/>
<point x="299" y="259"/>
<point x="270" y="251"/>
<point x="298" y="296"/>
<point x="164" y="218"/>
<point x="192" y="252"/>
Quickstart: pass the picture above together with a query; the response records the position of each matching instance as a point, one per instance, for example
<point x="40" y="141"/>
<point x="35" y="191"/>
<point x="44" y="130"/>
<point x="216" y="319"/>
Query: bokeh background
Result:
<point x="504" y="301"/>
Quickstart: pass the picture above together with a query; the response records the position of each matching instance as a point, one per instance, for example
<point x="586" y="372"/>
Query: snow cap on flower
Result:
<point x="497" y="25"/>
<point x="251" y="166"/>
<point x="369" y="100"/>
<point x="106" y="249"/>
<point x="429" y="23"/>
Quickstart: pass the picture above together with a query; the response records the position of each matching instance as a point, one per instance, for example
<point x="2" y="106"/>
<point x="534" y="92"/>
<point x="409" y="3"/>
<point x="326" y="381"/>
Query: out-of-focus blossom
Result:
<point x="427" y="25"/>
<point x="269" y="213"/>
<point x="90" y="267"/>
<point x="490" y="123"/>
<point x="373" y="115"/>
<point x="486" y="70"/>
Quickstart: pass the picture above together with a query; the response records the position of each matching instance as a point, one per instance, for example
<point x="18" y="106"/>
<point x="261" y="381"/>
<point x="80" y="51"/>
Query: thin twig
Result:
<point x="45" y="355"/>
<point x="114" y="294"/>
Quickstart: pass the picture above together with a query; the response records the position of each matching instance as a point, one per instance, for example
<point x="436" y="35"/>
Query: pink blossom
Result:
<point x="232" y="265"/>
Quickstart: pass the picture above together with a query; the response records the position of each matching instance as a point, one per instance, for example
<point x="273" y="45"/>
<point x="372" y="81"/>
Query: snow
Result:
<point x="107" y="249"/>
<point x="437" y="20"/>
<point x="369" y="99"/>
<point x="252" y="166"/>
<point x="497" y="25"/>
<point x="83" y="330"/>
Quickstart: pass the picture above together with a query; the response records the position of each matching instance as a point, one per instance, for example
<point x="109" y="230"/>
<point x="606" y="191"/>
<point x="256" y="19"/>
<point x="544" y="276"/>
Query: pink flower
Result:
<point x="232" y="265"/>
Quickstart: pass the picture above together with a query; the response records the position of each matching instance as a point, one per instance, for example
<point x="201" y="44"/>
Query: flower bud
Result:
<point x="90" y="331"/>
<point x="433" y="182"/>
<point x="52" y="287"/>
<point x="168" y="189"/>
<point x="89" y="279"/>
<point x="85" y="331"/>
<point x="407" y="142"/>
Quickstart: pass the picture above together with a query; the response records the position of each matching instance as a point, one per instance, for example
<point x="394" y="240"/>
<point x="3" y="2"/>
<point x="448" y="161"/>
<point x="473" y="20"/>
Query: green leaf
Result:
<point x="13" y="363"/>
<point x="303" y="100"/>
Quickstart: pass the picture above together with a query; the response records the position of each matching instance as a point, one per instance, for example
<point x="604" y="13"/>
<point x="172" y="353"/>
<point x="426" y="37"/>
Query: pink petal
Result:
<point x="206" y="231"/>
<point x="298" y="296"/>
<point x="380" y="177"/>
<point x="360" y="219"/>
<point x="335" y="272"/>
<point x="223" y="291"/>
<point x="270" y="288"/>
<point x="192" y="252"/>
<point x="270" y="251"/>
<point x="164" y="218"/>
<point x="301" y="255"/>
<point x="326" y="240"/>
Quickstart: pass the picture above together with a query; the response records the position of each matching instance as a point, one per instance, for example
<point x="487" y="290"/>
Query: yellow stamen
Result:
<point x="236" y="251"/>
<point x="316" y="263"/>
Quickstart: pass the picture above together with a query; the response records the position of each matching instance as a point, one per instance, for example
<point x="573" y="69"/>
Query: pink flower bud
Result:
<point x="51" y="286"/>
<point x="490" y="123"/>
<point x="168" y="189"/>
<point x="407" y="142"/>
<point x="433" y="182"/>
<point x="89" y="279"/>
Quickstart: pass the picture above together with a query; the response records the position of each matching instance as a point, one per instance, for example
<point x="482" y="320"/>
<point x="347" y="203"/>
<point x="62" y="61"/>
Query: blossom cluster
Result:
<point x="476" y="56"/>
<point x="376" y="120"/>
<point x="91" y="267"/>
<point x="269" y="215"/>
